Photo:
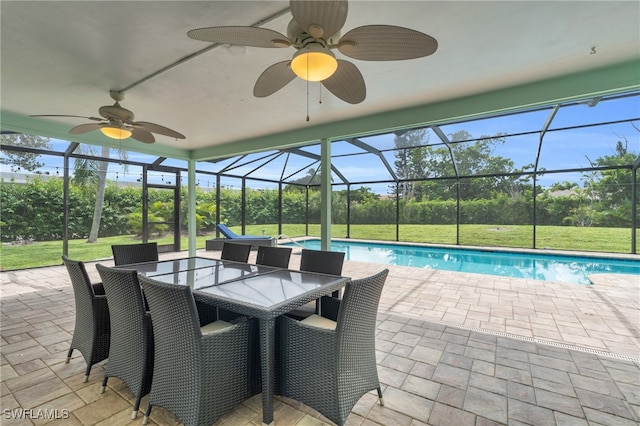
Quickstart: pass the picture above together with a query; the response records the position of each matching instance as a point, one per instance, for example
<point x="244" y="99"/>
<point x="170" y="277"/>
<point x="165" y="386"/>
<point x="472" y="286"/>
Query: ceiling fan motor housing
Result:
<point x="116" y="112"/>
<point x="300" y="38"/>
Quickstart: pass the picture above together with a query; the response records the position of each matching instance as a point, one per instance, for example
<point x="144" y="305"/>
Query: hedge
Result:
<point x="34" y="210"/>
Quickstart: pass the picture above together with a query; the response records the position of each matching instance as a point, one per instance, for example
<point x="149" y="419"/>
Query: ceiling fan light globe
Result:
<point x="115" y="132"/>
<point x="314" y="63"/>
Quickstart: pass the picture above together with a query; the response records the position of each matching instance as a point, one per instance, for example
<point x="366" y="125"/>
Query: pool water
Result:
<point x="547" y="267"/>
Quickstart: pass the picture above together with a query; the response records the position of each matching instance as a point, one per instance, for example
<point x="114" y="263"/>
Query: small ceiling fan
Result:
<point x="314" y="31"/>
<point x="118" y="123"/>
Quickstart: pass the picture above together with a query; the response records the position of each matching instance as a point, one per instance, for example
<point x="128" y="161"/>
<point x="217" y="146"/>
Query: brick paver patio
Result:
<point x="452" y="349"/>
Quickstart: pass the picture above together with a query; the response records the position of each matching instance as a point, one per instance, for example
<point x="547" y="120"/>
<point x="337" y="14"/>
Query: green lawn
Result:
<point x="614" y="240"/>
<point x="48" y="253"/>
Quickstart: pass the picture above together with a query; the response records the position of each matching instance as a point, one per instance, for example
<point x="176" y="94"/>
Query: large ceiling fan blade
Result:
<point x="142" y="135"/>
<point x="241" y="36"/>
<point x="320" y="18"/>
<point x="273" y="79"/>
<point x="347" y="83"/>
<point x="386" y="43"/>
<point x="156" y="128"/>
<point x="62" y="115"/>
<point x="85" y="128"/>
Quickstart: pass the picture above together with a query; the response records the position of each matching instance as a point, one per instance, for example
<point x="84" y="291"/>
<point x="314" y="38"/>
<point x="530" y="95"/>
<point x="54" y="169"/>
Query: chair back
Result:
<point x="126" y="254"/>
<point x="236" y="252"/>
<point x="357" y="320"/>
<point x="224" y="229"/>
<point x="82" y="290"/>
<point x="173" y="310"/>
<point x="123" y="293"/>
<point x="176" y="332"/>
<point x="322" y="261"/>
<point x="273" y="256"/>
<point x="131" y="352"/>
<point x="126" y="303"/>
<point x="92" y="330"/>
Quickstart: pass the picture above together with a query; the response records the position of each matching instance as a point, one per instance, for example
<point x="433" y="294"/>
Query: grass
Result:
<point x="47" y="253"/>
<point x="608" y="240"/>
<point x="613" y="240"/>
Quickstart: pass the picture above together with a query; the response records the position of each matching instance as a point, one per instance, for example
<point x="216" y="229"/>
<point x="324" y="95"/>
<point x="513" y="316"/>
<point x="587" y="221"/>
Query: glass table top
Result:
<point x="151" y="269"/>
<point x="271" y="288"/>
<point x="260" y="286"/>
<point x="207" y="276"/>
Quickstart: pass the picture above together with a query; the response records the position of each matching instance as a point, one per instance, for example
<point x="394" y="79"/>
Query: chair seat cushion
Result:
<point x="319" y="321"/>
<point x="214" y="326"/>
<point x="307" y="309"/>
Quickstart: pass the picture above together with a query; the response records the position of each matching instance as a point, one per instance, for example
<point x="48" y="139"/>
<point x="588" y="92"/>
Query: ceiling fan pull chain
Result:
<point x="307" y="100"/>
<point x="320" y="94"/>
<point x="307" y="88"/>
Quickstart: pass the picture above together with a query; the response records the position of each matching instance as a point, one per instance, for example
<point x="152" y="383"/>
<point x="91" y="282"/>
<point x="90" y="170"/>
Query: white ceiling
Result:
<point x="63" y="57"/>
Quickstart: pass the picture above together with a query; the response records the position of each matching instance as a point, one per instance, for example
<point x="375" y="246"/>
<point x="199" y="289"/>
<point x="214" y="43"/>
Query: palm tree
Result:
<point x="94" y="171"/>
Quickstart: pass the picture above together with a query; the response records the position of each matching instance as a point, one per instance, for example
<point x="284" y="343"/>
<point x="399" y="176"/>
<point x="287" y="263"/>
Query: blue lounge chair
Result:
<point x="224" y="229"/>
<point x="254" y="240"/>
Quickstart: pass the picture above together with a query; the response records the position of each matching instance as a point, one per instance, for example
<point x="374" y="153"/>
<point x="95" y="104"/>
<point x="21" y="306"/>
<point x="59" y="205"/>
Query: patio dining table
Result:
<point x="258" y="291"/>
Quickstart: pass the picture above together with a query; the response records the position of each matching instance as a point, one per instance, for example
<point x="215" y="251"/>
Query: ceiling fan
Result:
<point x="117" y="123"/>
<point x="314" y="31"/>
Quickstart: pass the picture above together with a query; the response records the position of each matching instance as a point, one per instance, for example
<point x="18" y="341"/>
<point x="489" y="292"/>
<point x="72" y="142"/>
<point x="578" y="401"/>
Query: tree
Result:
<point x="313" y="178"/>
<point x="360" y="195"/>
<point x="563" y="186"/>
<point x="24" y="160"/>
<point x="609" y="190"/>
<point x="410" y="160"/>
<point x="473" y="157"/>
<point x="89" y="171"/>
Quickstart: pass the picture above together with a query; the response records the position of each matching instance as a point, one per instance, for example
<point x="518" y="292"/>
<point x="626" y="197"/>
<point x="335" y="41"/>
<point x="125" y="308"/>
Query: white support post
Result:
<point x="325" y="194"/>
<point x="191" y="212"/>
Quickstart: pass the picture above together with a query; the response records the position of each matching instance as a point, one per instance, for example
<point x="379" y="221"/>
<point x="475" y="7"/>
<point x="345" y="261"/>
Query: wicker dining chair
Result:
<point x="92" y="331"/>
<point x="131" y="352"/>
<point x="329" y="365"/>
<point x="323" y="262"/>
<point x="236" y="252"/>
<point x="199" y="373"/>
<point x="277" y="257"/>
<point x="126" y="254"/>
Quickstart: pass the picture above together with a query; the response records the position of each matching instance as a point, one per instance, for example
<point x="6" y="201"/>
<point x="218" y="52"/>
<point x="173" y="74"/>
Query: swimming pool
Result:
<point x="547" y="267"/>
